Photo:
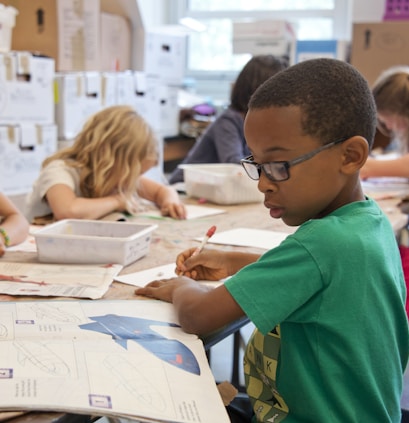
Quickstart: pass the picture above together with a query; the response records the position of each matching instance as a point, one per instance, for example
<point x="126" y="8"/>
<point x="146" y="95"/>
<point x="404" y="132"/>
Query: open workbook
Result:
<point x="118" y="358"/>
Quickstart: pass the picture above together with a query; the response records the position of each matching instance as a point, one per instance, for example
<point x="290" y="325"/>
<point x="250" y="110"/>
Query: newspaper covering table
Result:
<point x="57" y="280"/>
<point x="120" y="358"/>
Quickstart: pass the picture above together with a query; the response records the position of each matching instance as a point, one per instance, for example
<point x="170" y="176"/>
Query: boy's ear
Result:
<point x="355" y="152"/>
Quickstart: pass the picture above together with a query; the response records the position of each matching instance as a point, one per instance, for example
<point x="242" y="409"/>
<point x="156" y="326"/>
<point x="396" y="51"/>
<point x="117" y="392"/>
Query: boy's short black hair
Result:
<point x="335" y="99"/>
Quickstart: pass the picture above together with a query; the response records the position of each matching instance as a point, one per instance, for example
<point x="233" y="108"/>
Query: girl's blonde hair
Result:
<point x="109" y="151"/>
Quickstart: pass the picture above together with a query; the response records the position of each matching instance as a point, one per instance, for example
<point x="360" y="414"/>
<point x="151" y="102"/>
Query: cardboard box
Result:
<point x="24" y="147"/>
<point x="169" y="110"/>
<point x="73" y="32"/>
<point x="162" y="53"/>
<point x="115" y="43"/>
<point x="93" y="241"/>
<point x="77" y="97"/>
<point x="125" y="87"/>
<point x="66" y="30"/>
<point x="109" y="89"/>
<point x="26" y="88"/>
<point x="376" y="46"/>
<point x="263" y="37"/>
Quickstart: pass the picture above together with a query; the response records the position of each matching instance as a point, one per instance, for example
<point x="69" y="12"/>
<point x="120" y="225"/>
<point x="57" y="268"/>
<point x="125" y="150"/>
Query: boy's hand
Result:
<point x="162" y="289"/>
<point x="209" y="265"/>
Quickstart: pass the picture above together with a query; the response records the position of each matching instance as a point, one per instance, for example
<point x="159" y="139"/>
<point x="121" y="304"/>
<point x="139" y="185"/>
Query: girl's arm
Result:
<point x="378" y="168"/>
<point x="164" y="196"/>
<point x="14" y="226"/>
<point x="66" y="205"/>
<point x="229" y="140"/>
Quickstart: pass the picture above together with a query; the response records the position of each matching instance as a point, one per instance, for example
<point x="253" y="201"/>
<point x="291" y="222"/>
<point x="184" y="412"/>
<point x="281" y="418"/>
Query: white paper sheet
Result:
<point x="193" y="212"/>
<point x="247" y="237"/>
<point x="114" y="358"/>
<point x="143" y="277"/>
<point x="57" y="280"/>
<point x="166" y="271"/>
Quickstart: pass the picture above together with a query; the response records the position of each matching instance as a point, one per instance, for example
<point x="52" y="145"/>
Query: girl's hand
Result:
<point x="2" y="246"/>
<point x="367" y="170"/>
<point x="175" y="210"/>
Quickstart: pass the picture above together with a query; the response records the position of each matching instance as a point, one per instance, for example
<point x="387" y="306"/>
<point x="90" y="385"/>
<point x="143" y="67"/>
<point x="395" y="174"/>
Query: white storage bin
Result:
<point x="93" y="241"/>
<point x="220" y="183"/>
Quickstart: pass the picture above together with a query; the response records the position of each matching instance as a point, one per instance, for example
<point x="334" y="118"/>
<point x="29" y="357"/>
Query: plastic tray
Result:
<point x="93" y="241"/>
<point x="220" y="183"/>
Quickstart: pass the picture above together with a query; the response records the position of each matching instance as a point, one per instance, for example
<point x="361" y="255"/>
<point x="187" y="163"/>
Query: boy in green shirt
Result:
<point x="331" y="339"/>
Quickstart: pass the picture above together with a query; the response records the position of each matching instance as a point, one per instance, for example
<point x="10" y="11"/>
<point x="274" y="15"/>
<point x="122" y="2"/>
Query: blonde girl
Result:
<point x="391" y="93"/>
<point x="102" y="172"/>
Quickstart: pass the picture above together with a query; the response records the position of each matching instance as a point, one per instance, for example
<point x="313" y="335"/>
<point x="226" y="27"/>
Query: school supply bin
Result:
<point x="93" y="241"/>
<point x="220" y="183"/>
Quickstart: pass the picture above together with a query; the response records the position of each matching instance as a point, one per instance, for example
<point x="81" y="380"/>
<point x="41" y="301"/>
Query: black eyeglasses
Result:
<point x="279" y="171"/>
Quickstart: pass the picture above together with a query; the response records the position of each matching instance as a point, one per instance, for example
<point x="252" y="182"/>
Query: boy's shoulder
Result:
<point x="352" y="218"/>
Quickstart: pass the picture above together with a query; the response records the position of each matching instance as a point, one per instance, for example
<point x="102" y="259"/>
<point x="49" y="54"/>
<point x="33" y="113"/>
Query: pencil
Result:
<point x="209" y="234"/>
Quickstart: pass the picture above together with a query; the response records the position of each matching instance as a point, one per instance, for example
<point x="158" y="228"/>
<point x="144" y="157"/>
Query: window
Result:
<point x="210" y="52"/>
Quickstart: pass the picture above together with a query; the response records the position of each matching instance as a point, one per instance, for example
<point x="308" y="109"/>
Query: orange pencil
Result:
<point x="209" y="234"/>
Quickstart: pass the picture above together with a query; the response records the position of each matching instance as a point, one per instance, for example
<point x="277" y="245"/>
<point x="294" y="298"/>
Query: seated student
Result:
<point x="13" y="225"/>
<point x="331" y="339"/>
<point x="102" y="172"/>
<point x="391" y="92"/>
<point x="223" y="140"/>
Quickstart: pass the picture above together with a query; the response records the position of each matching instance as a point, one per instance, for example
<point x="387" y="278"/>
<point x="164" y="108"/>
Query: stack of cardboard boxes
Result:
<point x="27" y="130"/>
<point x="103" y="56"/>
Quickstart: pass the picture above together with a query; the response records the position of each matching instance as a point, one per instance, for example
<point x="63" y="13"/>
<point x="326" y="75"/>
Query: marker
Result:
<point x="209" y="234"/>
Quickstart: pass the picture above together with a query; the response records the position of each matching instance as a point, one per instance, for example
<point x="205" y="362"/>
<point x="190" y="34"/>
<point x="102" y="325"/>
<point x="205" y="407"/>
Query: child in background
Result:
<point x="223" y="141"/>
<point x="331" y="341"/>
<point x="13" y="227"/>
<point x="391" y="92"/>
<point x="102" y="172"/>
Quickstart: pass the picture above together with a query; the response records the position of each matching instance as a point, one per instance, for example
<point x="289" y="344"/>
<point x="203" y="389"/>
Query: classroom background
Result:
<point x="63" y="60"/>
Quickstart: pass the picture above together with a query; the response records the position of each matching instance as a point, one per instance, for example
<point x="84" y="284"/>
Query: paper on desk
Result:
<point x="193" y="212"/>
<point x="246" y="237"/>
<point x="57" y="280"/>
<point x="166" y="271"/>
<point x="115" y="358"/>
<point x="143" y="277"/>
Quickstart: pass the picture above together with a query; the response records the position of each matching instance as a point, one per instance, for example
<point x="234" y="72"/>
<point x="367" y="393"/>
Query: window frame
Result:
<point x="341" y="15"/>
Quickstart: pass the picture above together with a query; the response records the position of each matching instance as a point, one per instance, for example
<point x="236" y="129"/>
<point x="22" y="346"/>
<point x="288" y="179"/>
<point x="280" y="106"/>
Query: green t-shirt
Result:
<point x="336" y="289"/>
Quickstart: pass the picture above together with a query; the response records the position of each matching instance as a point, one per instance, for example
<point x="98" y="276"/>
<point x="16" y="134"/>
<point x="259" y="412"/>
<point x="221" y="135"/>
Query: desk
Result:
<point x="173" y="236"/>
